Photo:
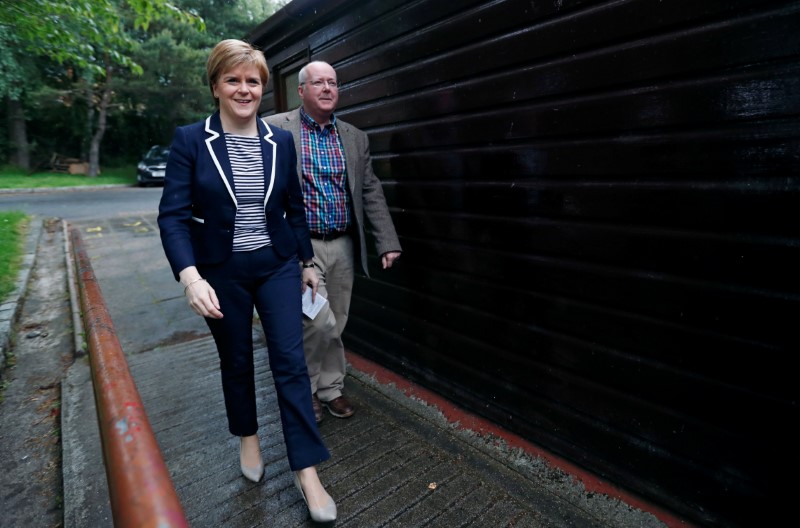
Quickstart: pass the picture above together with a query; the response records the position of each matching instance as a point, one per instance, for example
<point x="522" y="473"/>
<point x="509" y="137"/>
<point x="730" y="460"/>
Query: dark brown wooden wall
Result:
<point x="599" y="205"/>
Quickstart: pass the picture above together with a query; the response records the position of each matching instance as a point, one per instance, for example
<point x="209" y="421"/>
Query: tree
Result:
<point x="13" y="74"/>
<point x="116" y="73"/>
<point x="89" y="36"/>
<point x="173" y="89"/>
<point x="230" y="18"/>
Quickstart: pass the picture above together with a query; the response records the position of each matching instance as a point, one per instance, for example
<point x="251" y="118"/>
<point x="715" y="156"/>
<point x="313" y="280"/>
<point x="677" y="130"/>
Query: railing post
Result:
<point x="141" y="491"/>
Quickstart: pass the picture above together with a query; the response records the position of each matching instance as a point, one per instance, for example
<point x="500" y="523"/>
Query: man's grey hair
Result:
<point x="302" y="75"/>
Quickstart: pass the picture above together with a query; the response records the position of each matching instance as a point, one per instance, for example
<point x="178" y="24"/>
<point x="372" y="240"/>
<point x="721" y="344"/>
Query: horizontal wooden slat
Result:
<point x="752" y="94"/>
<point x="534" y="336"/>
<point x="753" y="208"/>
<point x="678" y="346"/>
<point x="730" y="154"/>
<point x="714" y="307"/>
<point x="734" y="259"/>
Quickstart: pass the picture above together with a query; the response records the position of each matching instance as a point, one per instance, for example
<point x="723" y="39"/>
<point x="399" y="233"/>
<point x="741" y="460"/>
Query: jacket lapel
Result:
<point x="268" y="151"/>
<point x="350" y="154"/>
<point x="215" y="142"/>
<point x="293" y="126"/>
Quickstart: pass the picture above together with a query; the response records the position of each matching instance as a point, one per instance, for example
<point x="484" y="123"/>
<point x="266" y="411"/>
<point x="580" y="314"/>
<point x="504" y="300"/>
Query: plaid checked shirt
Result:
<point x="324" y="176"/>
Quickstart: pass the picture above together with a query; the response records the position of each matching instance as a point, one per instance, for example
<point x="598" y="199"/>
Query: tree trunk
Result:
<point x="87" y="137"/>
<point x="102" y="115"/>
<point x="18" y="135"/>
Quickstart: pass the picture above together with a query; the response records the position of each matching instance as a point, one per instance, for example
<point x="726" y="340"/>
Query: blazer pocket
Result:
<point x="211" y="246"/>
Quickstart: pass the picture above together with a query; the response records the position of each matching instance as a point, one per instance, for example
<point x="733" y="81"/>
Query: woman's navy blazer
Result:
<point x="198" y="205"/>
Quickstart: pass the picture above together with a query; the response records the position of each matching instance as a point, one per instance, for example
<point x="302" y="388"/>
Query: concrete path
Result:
<point x="397" y="462"/>
<point x="40" y="341"/>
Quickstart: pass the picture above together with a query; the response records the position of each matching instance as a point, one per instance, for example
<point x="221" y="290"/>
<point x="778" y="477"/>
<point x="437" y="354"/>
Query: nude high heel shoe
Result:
<point x="250" y="473"/>
<point x="325" y="514"/>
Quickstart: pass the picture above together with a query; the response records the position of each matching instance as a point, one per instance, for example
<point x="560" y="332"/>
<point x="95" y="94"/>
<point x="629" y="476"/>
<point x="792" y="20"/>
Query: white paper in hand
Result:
<point x="312" y="309"/>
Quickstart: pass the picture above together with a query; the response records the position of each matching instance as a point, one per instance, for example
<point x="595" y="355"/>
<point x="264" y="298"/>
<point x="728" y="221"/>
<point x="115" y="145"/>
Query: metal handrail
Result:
<point x="140" y="489"/>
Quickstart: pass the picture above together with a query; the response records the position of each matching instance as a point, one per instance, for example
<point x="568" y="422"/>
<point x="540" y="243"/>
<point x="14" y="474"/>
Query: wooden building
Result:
<point x="599" y="205"/>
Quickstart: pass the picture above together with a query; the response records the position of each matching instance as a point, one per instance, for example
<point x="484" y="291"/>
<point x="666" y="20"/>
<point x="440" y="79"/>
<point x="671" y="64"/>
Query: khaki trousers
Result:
<point x="322" y="336"/>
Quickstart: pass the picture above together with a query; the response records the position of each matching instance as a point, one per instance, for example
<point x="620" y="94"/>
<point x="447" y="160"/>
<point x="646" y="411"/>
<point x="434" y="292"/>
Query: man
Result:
<point x="339" y="190"/>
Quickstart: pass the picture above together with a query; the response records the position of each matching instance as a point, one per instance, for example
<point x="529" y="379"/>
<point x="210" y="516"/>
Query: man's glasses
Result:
<point x="319" y="84"/>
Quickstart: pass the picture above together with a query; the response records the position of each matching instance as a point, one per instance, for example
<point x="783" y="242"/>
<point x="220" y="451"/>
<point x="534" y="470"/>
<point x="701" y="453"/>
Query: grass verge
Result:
<point x="14" y="178"/>
<point x="13" y="225"/>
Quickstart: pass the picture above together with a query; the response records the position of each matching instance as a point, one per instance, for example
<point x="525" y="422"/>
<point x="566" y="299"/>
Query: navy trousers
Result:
<point x="262" y="279"/>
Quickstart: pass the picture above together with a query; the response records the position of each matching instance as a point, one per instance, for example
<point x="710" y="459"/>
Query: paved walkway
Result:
<point x="397" y="462"/>
<point x="41" y="343"/>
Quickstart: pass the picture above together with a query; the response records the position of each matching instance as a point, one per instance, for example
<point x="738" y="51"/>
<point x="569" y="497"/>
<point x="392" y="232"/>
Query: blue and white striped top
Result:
<point x="250" y="226"/>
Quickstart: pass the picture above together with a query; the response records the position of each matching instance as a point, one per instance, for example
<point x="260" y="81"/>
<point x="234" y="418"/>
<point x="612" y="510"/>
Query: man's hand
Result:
<point x="388" y="258"/>
<point x="311" y="279"/>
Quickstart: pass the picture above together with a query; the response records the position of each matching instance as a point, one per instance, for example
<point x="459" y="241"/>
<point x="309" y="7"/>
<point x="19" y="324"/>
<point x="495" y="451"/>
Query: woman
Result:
<point x="233" y="228"/>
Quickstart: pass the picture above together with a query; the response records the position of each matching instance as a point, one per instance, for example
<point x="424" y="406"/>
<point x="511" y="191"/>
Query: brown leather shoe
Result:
<point x="340" y="407"/>
<point x="315" y="403"/>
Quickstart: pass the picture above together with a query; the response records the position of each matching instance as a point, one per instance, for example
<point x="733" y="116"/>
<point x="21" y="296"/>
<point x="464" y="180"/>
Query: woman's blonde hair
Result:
<point x="229" y="54"/>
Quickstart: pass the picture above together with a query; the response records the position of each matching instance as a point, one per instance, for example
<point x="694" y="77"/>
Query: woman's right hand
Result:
<point x="201" y="296"/>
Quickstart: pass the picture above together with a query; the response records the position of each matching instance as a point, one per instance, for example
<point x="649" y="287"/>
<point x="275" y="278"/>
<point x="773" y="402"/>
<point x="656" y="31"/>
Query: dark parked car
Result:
<point x="151" y="169"/>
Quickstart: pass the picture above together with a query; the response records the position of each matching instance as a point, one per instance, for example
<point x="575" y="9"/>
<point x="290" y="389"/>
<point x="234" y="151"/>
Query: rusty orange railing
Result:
<point x="141" y="491"/>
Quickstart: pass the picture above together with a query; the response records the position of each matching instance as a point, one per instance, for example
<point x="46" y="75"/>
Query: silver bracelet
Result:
<point x="187" y="286"/>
